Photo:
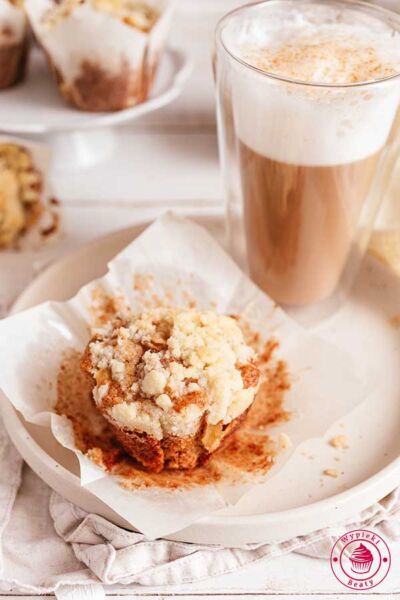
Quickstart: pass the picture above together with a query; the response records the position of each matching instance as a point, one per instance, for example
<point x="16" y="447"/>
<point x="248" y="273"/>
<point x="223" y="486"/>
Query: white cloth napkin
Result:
<point x="49" y="545"/>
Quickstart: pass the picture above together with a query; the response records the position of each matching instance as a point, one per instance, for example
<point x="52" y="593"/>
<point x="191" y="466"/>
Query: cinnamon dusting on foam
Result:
<point x="333" y="61"/>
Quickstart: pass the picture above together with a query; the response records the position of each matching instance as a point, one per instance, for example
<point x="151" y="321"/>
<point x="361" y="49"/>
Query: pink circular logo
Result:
<point x="360" y="559"/>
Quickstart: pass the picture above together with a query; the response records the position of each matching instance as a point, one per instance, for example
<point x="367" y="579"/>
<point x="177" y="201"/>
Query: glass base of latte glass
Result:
<point x="305" y="165"/>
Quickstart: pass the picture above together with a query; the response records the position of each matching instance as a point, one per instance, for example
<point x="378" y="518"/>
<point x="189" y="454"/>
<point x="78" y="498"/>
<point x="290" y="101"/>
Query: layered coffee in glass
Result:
<point x="308" y="97"/>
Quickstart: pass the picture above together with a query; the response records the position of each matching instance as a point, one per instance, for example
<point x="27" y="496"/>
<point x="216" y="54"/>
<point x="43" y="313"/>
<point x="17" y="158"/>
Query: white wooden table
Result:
<point x="168" y="160"/>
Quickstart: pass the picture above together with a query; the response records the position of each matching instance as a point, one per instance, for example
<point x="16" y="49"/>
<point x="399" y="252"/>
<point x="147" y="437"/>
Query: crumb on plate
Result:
<point x="340" y="442"/>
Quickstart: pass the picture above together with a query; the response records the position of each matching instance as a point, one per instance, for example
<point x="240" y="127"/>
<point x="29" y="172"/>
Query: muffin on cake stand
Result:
<point x="14" y="43"/>
<point x="80" y="139"/>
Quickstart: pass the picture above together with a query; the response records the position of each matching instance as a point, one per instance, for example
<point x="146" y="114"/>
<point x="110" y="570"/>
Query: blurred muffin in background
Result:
<point x="14" y="42"/>
<point x="103" y="53"/>
<point x="21" y="186"/>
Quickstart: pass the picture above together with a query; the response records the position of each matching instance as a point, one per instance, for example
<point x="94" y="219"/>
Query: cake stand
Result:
<point x="80" y="139"/>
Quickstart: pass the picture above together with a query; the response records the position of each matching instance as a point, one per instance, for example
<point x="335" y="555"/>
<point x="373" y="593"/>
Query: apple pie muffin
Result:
<point x="20" y="192"/>
<point x="173" y="384"/>
<point x="139" y="15"/>
<point x="14" y="42"/>
<point x="112" y="69"/>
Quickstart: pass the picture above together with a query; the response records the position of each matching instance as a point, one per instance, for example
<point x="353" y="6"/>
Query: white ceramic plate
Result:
<point x="36" y="107"/>
<point x="300" y="499"/>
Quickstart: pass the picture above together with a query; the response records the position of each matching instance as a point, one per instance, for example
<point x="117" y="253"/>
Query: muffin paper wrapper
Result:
<point x="73" y="41"/>
<point x="324" y="385"/>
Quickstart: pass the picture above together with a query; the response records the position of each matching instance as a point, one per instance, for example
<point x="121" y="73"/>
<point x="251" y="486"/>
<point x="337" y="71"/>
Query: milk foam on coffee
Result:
<point x="314" y="44"/>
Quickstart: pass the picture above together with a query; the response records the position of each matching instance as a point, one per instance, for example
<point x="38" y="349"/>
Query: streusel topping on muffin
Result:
<point x="164" y="370"/>
<point x="139" y="15"/>
<point x="20" y="192"/>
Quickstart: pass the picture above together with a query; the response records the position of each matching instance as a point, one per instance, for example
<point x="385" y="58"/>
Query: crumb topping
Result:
<point x="20" y="191"/>
<point x="138" y="15"/>
<point x="322" y="60"/>
<point x="248" y="452"/>
<point x="162" y="370"/>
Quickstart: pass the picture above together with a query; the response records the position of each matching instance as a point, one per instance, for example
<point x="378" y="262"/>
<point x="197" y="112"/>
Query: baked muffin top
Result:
<point x="20" y="191"/>
<point x="163" y="370"/>
<point x="13" y="24"/>
<point x="16" y="3"/>
<point x="138" y="15"/>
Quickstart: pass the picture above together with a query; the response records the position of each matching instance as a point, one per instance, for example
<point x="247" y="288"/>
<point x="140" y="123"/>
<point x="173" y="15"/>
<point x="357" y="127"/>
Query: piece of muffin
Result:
<point x="172" y="383"/>
<point x="110" y="69"/>
<point x="14" y="42"/>
<point x="20" y="192"/>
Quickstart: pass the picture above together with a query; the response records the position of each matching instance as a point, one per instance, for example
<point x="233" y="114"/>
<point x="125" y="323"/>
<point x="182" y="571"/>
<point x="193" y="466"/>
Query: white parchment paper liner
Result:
<point x="324" y="387"/>
<point x="41" y="156"/>
<point x="100" y="38"/>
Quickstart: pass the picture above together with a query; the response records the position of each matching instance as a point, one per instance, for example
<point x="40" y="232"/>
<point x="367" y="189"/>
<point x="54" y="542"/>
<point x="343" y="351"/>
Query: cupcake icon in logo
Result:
<point x="361" y="559"/>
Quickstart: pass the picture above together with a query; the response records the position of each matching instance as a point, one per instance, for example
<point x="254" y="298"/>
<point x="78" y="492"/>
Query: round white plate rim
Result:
<point x="114" y="118"/>
<point x="377" y="486"/>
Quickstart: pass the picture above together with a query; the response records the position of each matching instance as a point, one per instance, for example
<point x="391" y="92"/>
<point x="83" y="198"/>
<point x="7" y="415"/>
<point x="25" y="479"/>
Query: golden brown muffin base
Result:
<point x="13" y="58"/>
<point x="171" y="452"/>
<point x="95" y="90"/>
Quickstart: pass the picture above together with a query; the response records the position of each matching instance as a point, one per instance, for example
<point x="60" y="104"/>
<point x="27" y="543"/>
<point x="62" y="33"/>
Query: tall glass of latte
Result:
<point x="308" y="98"/>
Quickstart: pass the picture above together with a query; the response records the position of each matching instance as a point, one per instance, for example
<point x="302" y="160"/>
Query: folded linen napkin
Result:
<point x="79" y="552"/>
